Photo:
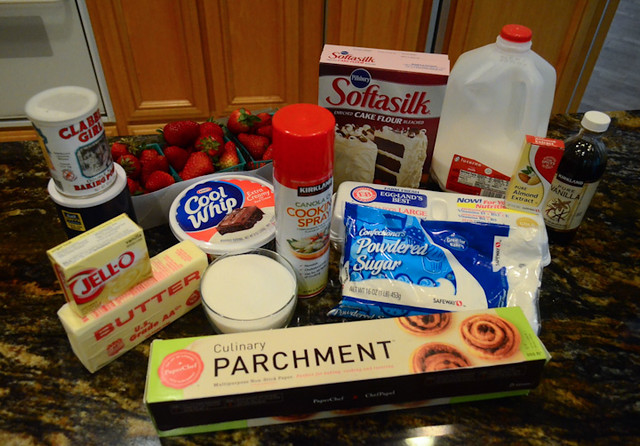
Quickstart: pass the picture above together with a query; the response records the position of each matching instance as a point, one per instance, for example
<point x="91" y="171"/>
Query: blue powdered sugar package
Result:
<point x="394" y="264"/>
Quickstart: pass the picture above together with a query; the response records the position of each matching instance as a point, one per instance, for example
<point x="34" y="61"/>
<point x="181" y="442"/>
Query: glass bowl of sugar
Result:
<point x="249" y="291"/>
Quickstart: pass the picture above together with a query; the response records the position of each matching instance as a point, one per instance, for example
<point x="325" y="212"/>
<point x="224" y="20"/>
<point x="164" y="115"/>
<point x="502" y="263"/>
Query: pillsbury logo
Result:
<point x="360" y="78"/>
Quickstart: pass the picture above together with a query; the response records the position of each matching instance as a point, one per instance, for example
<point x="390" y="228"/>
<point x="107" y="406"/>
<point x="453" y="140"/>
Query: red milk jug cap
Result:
<point x="303" y="140"/>
<point x="516" y="33"/>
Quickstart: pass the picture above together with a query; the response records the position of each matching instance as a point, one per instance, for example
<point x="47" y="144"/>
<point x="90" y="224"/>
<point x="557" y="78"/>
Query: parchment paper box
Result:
<point x="247" y="379"/>
<point x="119" y="325"/>
<point x="101" y="264"/>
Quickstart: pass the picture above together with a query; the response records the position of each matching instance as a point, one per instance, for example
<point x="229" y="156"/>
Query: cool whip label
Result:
<point x="396" y="264"/>
<point x="222" y="214"/>
<point x="101" y="264"/>
<point x="387" y="108"/>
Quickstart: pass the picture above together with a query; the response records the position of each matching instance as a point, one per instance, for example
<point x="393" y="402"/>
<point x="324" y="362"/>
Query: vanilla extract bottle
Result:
<point x="576" y="180"/>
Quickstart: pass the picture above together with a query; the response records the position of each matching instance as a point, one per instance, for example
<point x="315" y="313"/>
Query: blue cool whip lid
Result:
<point x="225" y="213"/>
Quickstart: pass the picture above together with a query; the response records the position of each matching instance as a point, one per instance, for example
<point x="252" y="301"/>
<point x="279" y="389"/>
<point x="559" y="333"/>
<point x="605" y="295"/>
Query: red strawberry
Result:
<point x="158" y="180"/>
<point x="177" y="156"/>
<point x="229" y="146"/>
<point x="134" y="187"/>
<point x="265" y="119"/>
<point x="159" y="163"/>
<point x="255" y="144"/>
<point x="211" y="145"/>
<point x="241" y="120"/>
<point x="181" y="133"/>
<point x="118" y="149"/>
<point x="131" y="165"/>
<point x="268" y="154"/>
<point x="209" y="128"/>
<point x="148" y="155"/>
<point x="265" y="131"/>
<point x="229" y="159"/>
<point x="197" y="165"/>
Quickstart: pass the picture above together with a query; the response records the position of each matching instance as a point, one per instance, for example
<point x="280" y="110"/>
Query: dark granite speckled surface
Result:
<point x="589" y="302"/>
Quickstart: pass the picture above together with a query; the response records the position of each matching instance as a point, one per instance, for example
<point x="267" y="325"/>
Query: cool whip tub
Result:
<point x="79" y="214"/>
<point x="225" y="213"/>
<point x="101" y="264"/>
<point x="111" y="330"/>
<point x="249" y="291"/>
<point x="67" y="120"/>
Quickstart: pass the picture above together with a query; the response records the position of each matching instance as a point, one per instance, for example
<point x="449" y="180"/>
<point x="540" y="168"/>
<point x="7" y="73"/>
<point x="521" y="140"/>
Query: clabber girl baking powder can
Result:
<point x="69" y="127"/>
<point x="303" y="143"/>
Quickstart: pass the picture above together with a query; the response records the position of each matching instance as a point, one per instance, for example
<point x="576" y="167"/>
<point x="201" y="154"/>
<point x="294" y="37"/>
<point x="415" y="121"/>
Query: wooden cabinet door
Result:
<point x="568" y="34"/>
<point x="195" y="59"/>
<point x="262" y="54"/>
<point x="391" y="25"/>
<point x="151" y="54"/>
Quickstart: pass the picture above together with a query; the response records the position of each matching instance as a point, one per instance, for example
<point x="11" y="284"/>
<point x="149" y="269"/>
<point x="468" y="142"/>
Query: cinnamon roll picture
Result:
<point x="425" y="325"/>
<point x="490" y="337"/>
<point x="436" y="356"/>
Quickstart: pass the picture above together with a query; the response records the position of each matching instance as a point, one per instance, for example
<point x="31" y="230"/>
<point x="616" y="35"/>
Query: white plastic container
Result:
<point x="73" y="141"/>
<point x="496" y="95"/>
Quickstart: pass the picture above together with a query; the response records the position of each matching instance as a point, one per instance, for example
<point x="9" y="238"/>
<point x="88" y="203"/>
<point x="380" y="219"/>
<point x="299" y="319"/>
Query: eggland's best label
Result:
<point x="78" y="155"/>
<point x="302" y="237"/>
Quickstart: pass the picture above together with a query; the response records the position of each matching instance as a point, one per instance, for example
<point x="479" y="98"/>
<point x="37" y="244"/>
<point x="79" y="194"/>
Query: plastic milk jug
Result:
<point x="496" y="95"/>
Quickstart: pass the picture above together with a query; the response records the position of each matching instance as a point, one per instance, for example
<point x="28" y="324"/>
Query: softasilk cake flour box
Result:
<point x="387" y="108"/>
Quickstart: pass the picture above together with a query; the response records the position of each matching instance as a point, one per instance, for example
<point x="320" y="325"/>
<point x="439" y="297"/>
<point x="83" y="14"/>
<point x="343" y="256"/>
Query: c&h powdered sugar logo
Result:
<point x="180" y="369"/>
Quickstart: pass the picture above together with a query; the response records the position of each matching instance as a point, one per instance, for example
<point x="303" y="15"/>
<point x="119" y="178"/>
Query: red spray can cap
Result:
<point x="303" y="140"/>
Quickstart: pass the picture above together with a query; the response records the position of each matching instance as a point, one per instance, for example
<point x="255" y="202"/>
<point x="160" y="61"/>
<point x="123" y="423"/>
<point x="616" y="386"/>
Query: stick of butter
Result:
<point x="101" y="264"/>
<point x="122" y="323"/>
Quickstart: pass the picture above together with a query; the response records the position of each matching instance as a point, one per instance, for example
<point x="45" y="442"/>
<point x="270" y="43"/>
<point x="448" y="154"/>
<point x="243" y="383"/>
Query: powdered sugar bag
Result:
<point x="396" y="264"/>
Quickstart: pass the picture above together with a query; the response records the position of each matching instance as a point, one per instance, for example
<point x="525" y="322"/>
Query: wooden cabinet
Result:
<point x="195" y="59"/>
<point x="166" y="59"/>
<point x="568" y="34"/>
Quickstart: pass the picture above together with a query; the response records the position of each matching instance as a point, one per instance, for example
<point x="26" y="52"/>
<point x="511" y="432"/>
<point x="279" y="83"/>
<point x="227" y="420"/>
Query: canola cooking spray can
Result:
<point x="303" y="141"/>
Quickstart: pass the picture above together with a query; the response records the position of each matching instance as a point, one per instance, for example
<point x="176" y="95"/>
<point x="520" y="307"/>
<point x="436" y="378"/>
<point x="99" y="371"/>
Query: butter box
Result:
<point x="240" y="380"/>
<point x="122" y="323"/>
<point x="101" y="263"/>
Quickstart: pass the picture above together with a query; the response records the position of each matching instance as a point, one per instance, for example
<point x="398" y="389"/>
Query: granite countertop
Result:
<point x="589" y="392"/>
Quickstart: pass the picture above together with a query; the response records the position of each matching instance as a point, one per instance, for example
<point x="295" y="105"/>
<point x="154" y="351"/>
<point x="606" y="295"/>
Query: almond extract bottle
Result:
<point x="303" y="142"/>
<point x="577" y="178"/>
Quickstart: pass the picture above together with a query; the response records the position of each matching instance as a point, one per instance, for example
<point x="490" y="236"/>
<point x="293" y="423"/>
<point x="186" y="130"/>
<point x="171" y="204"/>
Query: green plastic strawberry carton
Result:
<point x="252" y="133"/>
<point x="157" y="172"/>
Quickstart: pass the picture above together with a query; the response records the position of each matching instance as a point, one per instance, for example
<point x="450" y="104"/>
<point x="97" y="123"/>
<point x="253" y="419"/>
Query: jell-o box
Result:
<point x="101" y="264"/>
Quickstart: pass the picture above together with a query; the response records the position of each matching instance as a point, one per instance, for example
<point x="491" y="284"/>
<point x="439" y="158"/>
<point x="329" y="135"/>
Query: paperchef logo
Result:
<point x="89" y="283"/>
<point x="180" y="369"/>
<point x="206" y="205"/>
